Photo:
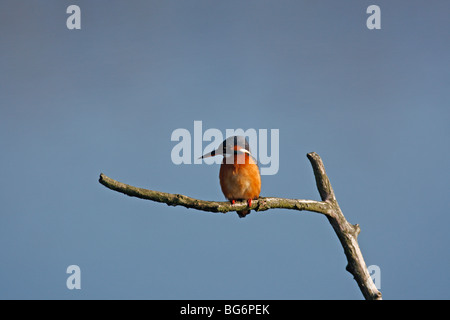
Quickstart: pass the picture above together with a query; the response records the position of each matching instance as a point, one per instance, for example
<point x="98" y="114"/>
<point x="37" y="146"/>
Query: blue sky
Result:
<point x="374" y="104"/>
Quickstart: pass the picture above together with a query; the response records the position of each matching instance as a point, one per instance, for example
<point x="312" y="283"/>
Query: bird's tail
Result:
<point x="243" y="213"/>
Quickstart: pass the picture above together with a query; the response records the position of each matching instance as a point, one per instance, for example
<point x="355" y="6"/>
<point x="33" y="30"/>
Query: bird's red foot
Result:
<point x="249" y="202"/>
<point x="233" y="201"/>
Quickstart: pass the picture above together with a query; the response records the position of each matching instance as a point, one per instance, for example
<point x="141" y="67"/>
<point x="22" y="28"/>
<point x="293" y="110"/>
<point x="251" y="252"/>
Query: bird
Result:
<point x="239" y="172"/>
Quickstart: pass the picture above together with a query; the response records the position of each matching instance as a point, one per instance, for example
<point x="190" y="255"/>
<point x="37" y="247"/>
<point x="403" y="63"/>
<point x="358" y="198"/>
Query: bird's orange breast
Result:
<point x="240" y="180"/>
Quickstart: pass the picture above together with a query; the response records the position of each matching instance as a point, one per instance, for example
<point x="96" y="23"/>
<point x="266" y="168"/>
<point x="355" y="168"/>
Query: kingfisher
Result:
<point x="239" y="173"/>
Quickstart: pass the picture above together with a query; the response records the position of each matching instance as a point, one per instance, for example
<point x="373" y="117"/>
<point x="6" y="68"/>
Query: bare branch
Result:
<point x="346" y="232"/>
<point x="322" y="181"/>
<point x="262" y="204"/>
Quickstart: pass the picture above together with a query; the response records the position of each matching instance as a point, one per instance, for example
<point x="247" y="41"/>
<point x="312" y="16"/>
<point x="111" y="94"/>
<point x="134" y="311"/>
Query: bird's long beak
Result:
<point x="210" y="154"/>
